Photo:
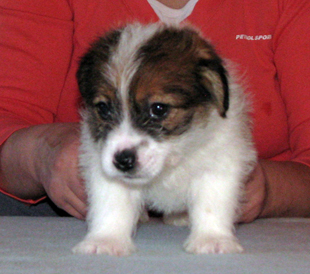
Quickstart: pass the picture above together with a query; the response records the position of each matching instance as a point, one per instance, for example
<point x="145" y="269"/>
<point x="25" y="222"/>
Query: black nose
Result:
<point x="125" y="160"/>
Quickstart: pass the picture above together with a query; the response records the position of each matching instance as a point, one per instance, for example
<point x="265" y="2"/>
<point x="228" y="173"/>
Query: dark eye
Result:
<point x="104" y="110"/>
<point x="159" y="110"/>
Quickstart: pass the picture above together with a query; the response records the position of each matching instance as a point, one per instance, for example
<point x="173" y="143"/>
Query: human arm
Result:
<point x="44" y="162"/>
<point x="277" y="189"/>
<point x="35" y="56"/>
<point x="282" y="188"/>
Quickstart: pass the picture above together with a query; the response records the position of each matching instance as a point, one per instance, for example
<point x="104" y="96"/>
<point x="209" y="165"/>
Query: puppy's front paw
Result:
<point x="105" y="245"/>
<point x="210" y="244"/>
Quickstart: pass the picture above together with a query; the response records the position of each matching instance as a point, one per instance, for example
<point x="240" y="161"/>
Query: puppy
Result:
<point x="164" y="127"/>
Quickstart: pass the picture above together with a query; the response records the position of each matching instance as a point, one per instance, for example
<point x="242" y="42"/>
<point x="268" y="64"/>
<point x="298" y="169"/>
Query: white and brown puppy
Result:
<point x="164" y="127"/>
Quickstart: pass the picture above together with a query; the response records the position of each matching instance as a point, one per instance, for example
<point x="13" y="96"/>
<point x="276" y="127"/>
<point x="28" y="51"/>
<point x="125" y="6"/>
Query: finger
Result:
<point x="78" y="205"/>
<point x="73" y="212"/>
<point x="74" y="205"/>
<point x="78" y="189"/>
<point x="76" y="208"/>
<point x="249" y="215"/>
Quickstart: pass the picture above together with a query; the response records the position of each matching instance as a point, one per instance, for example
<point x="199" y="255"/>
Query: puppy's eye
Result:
<point x="159" y="110"/>
<point x="104" y="110"/>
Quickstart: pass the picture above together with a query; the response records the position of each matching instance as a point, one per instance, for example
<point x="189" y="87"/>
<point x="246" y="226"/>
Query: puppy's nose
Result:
<point x="125" y="160"/>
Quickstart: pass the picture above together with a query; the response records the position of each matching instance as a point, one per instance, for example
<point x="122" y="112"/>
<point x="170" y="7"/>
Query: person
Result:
<point x="41" y="43"/>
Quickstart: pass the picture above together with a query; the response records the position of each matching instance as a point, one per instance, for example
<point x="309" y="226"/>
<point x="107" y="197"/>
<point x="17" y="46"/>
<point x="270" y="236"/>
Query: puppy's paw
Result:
<point x="144" y="216"/>
<point x="177" y="219"/>
<point x="212" y="244"/>
<point x="105" y="245"/>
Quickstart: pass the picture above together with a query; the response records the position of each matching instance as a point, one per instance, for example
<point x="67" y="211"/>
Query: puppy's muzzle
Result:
<point x="125" y="160"/>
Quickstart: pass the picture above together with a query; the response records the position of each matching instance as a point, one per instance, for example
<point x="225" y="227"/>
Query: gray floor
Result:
<point x="43" y="245"/>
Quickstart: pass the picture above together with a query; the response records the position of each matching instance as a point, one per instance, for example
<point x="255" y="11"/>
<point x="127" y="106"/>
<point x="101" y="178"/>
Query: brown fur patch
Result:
<point x="169" y="73"/>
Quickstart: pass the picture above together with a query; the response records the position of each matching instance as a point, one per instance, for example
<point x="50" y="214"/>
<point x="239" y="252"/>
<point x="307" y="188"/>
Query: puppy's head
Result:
<point x="145" y="88"/>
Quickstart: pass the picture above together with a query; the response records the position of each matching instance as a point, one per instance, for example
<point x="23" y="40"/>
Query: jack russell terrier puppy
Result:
<point x="165" y="127"/>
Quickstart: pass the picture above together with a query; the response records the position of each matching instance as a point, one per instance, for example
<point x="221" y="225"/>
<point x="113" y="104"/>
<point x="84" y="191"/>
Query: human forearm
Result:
<point x="17" y="163"/>
<point x="42" y="160"/>
<point x="277" y="189"/>
<point x="287" y="189"/>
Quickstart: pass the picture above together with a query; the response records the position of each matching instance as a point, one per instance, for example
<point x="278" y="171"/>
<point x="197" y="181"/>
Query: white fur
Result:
<point x="201" y="171"/>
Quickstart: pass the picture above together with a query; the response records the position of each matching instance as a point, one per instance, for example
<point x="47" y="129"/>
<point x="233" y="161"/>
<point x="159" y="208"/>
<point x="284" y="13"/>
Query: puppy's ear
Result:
<point x="213" y="77"/>
<point x="86" y="75"/>
<point x="90" y="72"/>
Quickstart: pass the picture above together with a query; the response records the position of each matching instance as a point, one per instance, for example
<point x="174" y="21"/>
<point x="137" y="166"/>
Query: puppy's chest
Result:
<point x="170" y="195"/>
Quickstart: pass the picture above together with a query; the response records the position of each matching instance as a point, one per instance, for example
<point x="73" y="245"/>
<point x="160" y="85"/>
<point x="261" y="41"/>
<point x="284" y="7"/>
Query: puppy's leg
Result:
<point x="144" y="216"/>
<point x="214" y="200"/>
<point x="113" y="214"/>
<point x="177" y="219"/>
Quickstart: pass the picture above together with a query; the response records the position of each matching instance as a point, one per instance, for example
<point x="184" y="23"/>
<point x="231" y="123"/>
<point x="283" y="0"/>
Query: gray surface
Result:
<point x="13" y="207"/>
<point x="43" y="244"/>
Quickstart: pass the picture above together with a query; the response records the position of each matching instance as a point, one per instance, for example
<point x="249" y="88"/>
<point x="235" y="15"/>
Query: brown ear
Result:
<point x="213" y="77"/>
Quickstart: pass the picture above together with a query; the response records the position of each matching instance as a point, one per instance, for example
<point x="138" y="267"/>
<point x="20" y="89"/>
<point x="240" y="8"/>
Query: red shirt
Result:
<point x="41" y="42"/>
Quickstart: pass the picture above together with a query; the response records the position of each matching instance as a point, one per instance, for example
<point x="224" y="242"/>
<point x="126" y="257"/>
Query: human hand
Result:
<point x="277" y="189"/>
<point x="255" y="196"/>
<point x="45" y="161"/>
<point x="58" y="169"/>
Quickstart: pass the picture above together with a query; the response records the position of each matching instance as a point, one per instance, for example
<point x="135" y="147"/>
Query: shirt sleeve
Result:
<point x="292" y="59"/>
<point x="35" y="53"/>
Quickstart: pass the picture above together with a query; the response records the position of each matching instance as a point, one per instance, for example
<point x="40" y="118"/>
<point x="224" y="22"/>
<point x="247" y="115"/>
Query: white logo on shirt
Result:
<point x="253" y="38"/>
